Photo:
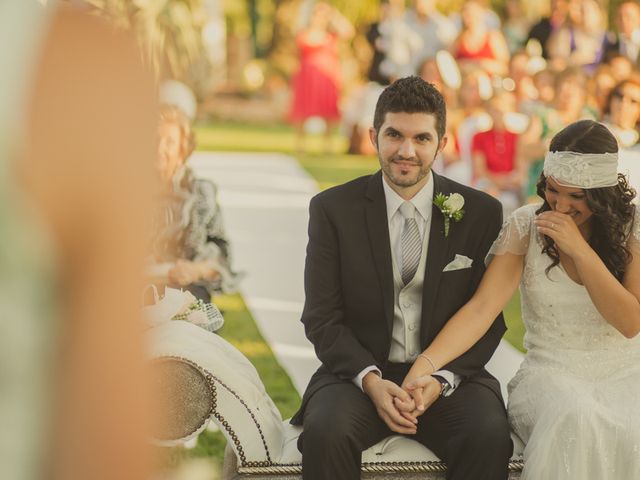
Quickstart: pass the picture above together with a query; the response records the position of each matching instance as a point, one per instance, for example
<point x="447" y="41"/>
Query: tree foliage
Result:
<point x="170" y="31"/>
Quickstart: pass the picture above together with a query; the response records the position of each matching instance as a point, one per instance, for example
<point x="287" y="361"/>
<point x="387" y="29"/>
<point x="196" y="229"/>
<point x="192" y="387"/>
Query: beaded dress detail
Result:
<point x="575" y="402"/>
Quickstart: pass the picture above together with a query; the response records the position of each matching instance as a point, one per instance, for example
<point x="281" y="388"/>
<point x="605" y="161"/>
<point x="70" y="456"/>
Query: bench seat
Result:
<point x="202" y="378"/>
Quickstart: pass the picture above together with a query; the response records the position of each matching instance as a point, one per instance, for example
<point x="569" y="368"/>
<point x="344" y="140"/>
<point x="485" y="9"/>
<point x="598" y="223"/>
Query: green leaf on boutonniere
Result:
<point x="451" y="208"/>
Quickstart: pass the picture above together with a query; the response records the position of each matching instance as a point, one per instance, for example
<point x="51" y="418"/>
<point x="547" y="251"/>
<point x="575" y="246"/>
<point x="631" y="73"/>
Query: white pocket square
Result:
<point x="458" y="263"/>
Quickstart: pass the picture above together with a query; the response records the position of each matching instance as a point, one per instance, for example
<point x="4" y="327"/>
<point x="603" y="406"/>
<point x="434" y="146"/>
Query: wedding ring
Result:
<point x="552" y="226"/>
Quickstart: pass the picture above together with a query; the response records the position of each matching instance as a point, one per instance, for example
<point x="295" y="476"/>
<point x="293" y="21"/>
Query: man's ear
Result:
<point x="443" y="143"/>
<point x="373" y="136"/>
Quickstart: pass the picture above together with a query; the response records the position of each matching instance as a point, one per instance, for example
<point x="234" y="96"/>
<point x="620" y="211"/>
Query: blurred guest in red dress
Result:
<point x="495" y="167"/>
<point x="316" y="85"/>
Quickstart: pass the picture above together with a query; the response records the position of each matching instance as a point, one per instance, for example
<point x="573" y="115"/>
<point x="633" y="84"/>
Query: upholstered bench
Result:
<point x="203" y="378"/>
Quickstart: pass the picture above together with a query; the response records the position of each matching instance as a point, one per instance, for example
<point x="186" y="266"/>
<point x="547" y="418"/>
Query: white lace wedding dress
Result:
<point x="575" y="401"/>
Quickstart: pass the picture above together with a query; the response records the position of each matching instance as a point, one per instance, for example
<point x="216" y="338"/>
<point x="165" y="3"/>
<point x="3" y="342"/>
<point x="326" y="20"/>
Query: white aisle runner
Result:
<point x="264" y="199"/>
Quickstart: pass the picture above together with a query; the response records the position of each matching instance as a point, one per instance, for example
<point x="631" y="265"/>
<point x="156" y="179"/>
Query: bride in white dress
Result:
<point x="575" y="402"/>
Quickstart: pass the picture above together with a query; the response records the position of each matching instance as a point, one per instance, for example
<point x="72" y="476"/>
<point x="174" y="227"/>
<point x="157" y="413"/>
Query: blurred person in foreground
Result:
<point x="191" y="249"/>
<point x="76" y="153"/>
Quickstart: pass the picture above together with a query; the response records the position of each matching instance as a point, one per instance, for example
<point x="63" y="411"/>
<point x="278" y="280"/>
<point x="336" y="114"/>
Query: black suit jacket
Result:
<point x="348" y="312"/>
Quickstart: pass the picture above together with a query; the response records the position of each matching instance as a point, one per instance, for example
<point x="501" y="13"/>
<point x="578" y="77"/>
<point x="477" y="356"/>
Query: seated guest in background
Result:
<point x="436" y="31"/>
<point x="580" y="42"/>
<point x="524" y="86"/>
<point x="569" y="105"/>
<point x="627" y="41"/>
<point x="494" y="155"/>
<point x="516" y="25"/>
<point x="190" y="248"/>
<point x="621" y="66"/>
<point x="467" y="119"/>
<point x="600" y="86"/>
<point x="546" y="26"/>
<point x="623" y="112"/>
<point x="544" y="81"/>
<point x="478" y="45"/>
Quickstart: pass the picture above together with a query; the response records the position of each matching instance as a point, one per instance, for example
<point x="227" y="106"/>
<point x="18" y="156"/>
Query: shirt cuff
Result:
<point x="357" y="381"/>
<point x="451" y="378"/>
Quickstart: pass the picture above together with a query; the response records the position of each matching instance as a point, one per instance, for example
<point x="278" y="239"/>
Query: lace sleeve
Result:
<point x="515" y="233"/>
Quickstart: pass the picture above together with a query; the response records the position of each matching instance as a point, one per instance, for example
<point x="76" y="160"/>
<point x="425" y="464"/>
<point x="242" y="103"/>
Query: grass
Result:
<point x="327" y="169"/>
<point x="513" y="319"/>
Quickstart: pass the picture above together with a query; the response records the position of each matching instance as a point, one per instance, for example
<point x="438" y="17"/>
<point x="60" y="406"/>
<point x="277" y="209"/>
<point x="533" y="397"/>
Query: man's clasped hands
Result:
<point x="400" y="406"/>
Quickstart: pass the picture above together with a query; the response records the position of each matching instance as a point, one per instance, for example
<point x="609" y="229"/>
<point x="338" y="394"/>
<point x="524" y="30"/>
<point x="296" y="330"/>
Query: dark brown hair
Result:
<point x="612" y="209"/>
<point x="411" y="95"/>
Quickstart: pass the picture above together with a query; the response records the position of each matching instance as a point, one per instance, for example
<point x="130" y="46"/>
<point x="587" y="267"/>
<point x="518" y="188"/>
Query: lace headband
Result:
<point x="582" y="170"/>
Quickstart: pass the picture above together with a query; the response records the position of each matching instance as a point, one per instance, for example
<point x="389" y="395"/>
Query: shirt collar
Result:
<point x="423" y="200"/>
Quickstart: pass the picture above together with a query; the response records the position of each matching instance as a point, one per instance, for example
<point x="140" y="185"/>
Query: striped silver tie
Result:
<point x="411" y="242"/>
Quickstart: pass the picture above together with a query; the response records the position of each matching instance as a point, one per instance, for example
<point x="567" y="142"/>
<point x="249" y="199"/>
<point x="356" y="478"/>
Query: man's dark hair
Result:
<point x="412" y="95"/>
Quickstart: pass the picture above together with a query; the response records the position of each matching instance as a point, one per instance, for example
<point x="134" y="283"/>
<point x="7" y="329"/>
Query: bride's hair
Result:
<point x="612" y="209"/>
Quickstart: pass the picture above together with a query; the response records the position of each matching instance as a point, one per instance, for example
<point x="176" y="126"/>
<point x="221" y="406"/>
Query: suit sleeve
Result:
<point x="474" y="360"/>
<point x="323" y="316"/>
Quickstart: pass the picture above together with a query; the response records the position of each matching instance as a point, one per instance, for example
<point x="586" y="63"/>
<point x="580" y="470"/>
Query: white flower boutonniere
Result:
<point x="451" y="208"/>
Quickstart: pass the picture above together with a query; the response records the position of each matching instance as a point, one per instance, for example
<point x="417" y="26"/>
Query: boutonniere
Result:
<point x="451" y="207"/>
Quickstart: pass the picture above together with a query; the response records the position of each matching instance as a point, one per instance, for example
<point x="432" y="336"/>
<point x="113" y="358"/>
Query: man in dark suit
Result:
<point x="383" y="275"/>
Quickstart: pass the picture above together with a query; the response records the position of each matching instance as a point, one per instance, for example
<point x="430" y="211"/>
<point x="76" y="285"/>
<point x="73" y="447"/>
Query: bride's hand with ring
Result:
<point x="561" y="228"/>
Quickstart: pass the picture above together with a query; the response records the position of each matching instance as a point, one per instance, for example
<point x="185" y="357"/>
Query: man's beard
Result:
<point x="406" y="181"/>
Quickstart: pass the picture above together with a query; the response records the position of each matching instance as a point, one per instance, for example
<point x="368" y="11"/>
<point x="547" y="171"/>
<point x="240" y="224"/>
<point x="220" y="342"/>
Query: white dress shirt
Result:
<point x="423" y="202"/>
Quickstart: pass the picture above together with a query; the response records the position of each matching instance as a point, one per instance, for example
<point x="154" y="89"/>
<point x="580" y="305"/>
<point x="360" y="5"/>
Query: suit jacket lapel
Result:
<point x="378" y="229"/>
<point x="436" y="255"/>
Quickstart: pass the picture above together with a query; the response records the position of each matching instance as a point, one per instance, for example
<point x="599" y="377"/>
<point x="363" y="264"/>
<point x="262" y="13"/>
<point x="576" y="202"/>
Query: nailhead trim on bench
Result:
<point x="372" y="467"/>
<point x="269" y="468"/>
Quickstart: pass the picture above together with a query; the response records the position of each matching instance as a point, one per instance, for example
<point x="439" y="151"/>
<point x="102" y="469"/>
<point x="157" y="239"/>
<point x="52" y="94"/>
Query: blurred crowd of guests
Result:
<point x="510" y="83"/>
